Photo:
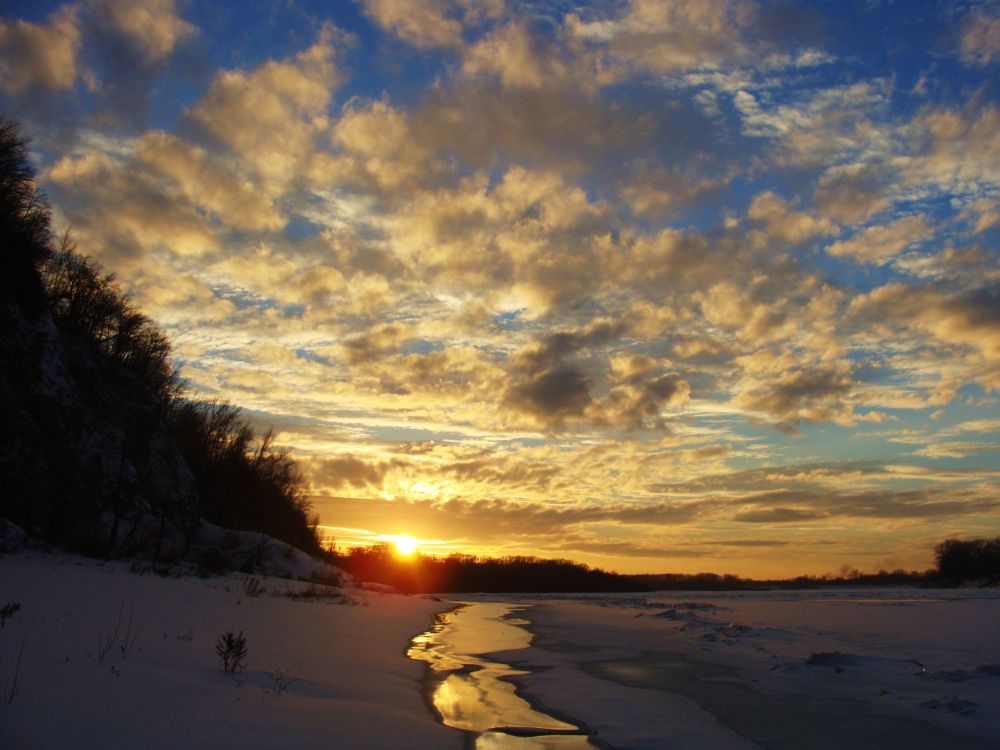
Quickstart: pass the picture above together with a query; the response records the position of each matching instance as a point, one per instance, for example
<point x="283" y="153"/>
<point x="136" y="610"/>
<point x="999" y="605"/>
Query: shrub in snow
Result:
<point x="232" y="650"/>
<point x="280" y="682"/>
<point x="252" y="587"/>
<point x="125" y="640"/>
<point x="8" y="611"/>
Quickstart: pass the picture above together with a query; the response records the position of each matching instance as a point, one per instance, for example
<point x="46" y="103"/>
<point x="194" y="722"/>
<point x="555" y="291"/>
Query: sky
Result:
<point x="676" y="286"/>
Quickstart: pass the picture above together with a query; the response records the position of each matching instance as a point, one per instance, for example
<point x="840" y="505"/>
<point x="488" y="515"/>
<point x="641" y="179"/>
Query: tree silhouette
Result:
<point x="973" y="559"/>
<point x="25" y="228"/>
<point x="243" y="482"/>
<point x="101" y="444"/>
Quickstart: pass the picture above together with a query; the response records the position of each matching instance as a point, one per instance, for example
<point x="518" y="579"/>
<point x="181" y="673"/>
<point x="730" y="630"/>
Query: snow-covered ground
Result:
<point x="847" y="669"/>
<point x="319" y="674"/>
<point x="112" y="659"/>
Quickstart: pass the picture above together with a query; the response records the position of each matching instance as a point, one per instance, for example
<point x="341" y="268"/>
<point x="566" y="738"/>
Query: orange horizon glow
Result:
<point x="762" y="565"/>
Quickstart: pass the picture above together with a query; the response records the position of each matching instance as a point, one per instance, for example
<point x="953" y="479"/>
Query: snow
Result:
<point x="803" y="669"/>
<point x="320" y="673"/>
<point x="327" y="667"/>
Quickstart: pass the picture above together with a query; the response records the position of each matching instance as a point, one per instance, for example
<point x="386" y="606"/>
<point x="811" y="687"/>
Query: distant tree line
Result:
<point x="468" y="573"/>
<point x="98" y="440"/>
<point x="969" y="560"/>
<point x="519" y="574"/>
<point x="958" y="562"/>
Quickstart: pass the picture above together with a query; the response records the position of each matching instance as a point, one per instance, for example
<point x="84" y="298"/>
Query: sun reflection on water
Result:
<point x="473" y="692"/>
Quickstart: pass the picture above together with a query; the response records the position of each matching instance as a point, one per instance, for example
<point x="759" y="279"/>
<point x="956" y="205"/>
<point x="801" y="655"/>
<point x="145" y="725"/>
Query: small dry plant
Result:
<point x="115" y="637"/>
<point x="11" y="688"/>
<point x="9" y="610"/>
<point x="280" y="682"/>
<point x="231" y="650"/>
<point x="252" y="587"/>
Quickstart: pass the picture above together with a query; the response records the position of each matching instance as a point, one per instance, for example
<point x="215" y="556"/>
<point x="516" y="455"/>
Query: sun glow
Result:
<point x="405" y="545"/>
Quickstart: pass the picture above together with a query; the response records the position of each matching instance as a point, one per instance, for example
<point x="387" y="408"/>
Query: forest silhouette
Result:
<point x="104" y="434"/>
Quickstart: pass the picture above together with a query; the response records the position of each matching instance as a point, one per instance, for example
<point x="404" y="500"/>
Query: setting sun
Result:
<point x="405" y="545"/>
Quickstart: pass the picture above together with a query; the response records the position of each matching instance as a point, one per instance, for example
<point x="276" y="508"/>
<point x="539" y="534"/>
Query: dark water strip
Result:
<point x="789" y="722"/>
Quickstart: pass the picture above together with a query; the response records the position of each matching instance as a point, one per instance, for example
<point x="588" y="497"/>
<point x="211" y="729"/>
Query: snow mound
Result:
<point x="12" y="536"/>
<point x="221" y="549"/>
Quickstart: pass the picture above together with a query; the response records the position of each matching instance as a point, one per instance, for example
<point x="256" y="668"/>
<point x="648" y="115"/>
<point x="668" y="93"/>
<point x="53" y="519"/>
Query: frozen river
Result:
<point x="473" y="692"/>
<point x="730" y="671"/>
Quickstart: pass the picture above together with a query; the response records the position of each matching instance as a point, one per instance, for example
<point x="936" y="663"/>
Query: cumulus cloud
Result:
<point x="517" y="57"/>
<point x="640" y="394"/>
<point x="379" y="143"/>
<point x="122" y="214"/>
<point x="658" y="192"/>
<point x="552" y="395"/>
<point x="984" y="213"/>
<point x="972" y="425"/>
<point x="562" y="379"/>
<point x="554" y="347"/>
<point x="266" y="274"/>
<point x="881" y="243"/>
<point x="180" y="300"/>
<point x="502" y="471"/>
<point x="151" y="26"/>
<point x="970" y="319"/>
<point x="826" y="126"/>
<point x="980" y="38"/>
<point x="673" y="259"/>
<point x="670" y="37"/>
<point x="560" y="125"/>
<point x="853" y="193"/>
<point x="790" y="390"/>
<point x="434" y="23"/>
<point x="536" y="237"/>
<point x="346" y="470"/>
<point x="959" y="331"/>
<point x="269" y="116"/>
<point x="784" y="224"/>
<point x="40" y="56"/>
<point x="955" y="151"/>
<point x="208" y="183"/>
<point x="964" y="268"/>
<point x="756" y="320"/>
<point x="374" y="343"/>
<point x="548" y="388"/>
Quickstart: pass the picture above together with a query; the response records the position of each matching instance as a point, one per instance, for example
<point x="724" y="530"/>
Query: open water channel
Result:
<point x="473" y="693"/>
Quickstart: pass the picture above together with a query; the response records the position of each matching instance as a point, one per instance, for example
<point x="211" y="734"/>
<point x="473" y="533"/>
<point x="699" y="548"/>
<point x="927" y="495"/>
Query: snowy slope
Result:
<point x="319" y="672"/>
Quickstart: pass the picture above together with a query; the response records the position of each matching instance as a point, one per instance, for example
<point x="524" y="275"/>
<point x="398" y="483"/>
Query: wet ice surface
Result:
<point x="472" y="692"/>
<point x="783" y="723"/>
<point x="886" y="668"/>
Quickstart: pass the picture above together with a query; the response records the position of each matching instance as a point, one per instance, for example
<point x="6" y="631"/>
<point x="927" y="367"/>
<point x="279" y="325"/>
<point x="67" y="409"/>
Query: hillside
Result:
<point x="102" y="452"/>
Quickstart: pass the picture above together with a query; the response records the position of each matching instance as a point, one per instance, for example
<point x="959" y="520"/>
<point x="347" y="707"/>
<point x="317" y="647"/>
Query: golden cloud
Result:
<point x="42" y="56"/>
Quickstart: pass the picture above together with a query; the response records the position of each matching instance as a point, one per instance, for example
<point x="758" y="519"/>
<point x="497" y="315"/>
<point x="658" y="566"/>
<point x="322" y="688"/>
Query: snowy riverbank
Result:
<point x="319" y="674"/>
<point x="778" y="670"/>
<point x="860" y="669"/>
